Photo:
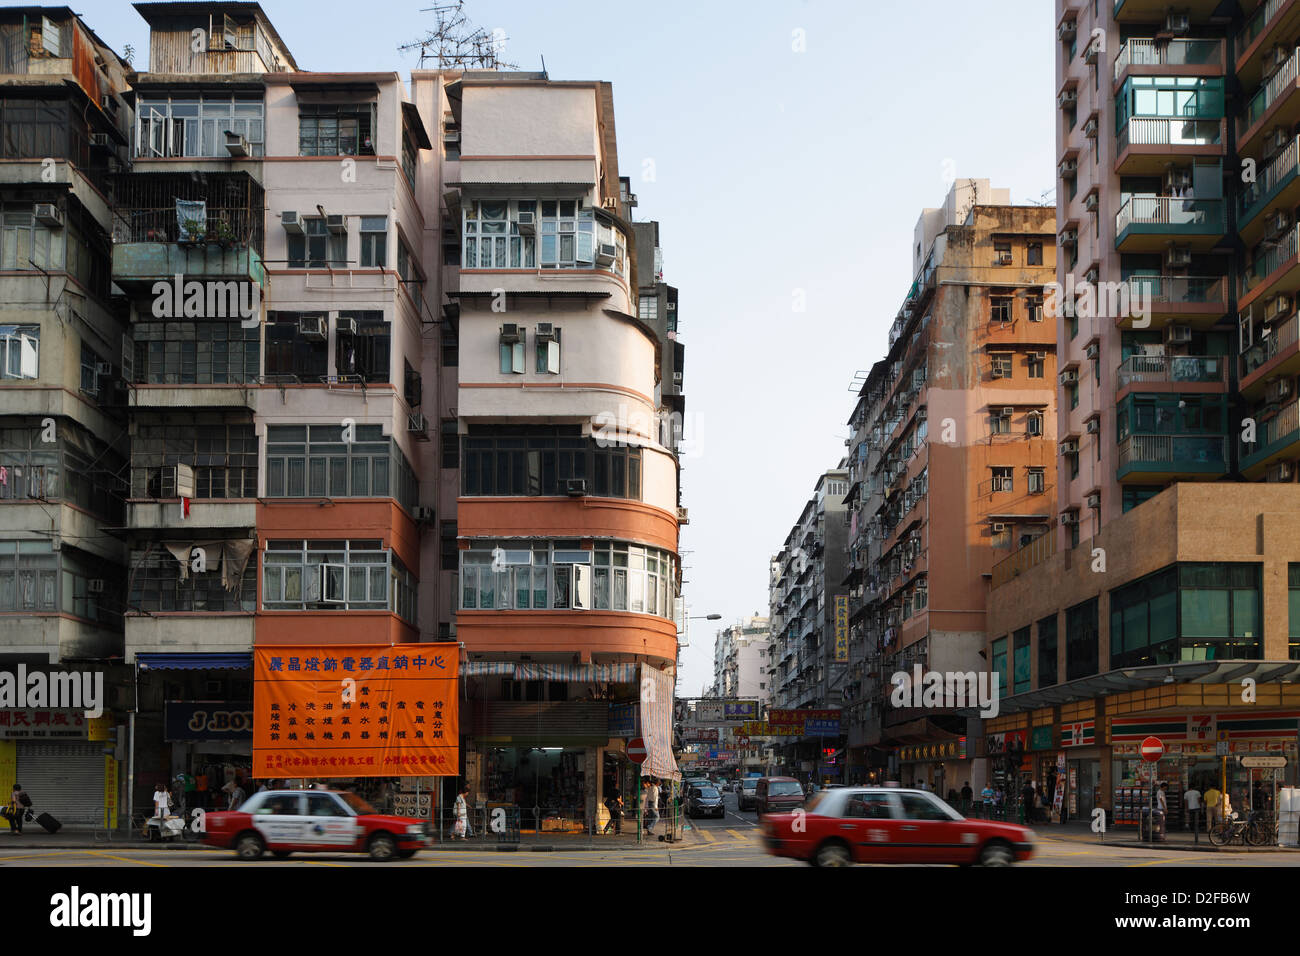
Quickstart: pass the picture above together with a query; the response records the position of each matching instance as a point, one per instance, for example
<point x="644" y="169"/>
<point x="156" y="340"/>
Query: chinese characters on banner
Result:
<point x="356" y="710"/>
<point x="841" y="628"/>
<point x="797" y="723"/>
<point x="40" y="722"/>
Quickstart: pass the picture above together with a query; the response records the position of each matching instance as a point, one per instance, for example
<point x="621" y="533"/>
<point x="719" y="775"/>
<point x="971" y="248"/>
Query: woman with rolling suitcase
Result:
<point x="18" y="804"/>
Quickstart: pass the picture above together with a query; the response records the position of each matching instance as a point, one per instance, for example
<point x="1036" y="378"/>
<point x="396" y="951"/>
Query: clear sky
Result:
<point x="779" y="175"/>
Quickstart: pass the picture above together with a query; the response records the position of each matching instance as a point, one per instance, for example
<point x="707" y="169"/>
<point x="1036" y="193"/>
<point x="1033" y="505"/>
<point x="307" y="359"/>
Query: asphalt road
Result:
<point x="730" y="841"/>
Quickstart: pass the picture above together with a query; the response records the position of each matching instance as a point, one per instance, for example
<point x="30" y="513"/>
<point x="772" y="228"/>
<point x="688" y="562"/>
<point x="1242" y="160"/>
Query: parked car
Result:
<point x="313" y="821"/>
<point x="705" y="802"/>
<point x="774" y="794"/>
<point x="886" y="825"/>
<point x="746" y="794"/>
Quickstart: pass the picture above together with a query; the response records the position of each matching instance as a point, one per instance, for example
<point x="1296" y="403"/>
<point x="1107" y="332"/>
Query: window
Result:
<point x="1034" y="309"/>
<point x="335" y="129"/>
<point x="1002" y="253"/>
<point x="1293" y="611"/>
<point x="336" y="575"/>
<point x="413" y="386"/>
<point x="1074" y="464"/>
<point x="1034" y="256"/>
<point x="406" y="270"/>
<point x="1003" y="479"/>
<point x="313" y="461"/>
<point x="1081" y="639"/>
<point x="1000" y="308"/>
<point x="1219" y="611"/>
<point x="450" y="347"/>
<point x="365" y="352"/>
<point x="26" y="244"/>
<point x="648" y="309"/>
<point x="548" y="352"/>
<point x="408" y="159"/>
<point x="1144" y="621"/>
<point x="449" y="549"/>
<point x="511" y="350"/>
<point x="290" y="352"/>
<point x="35" y="129"/>
<point x="374" y="242"/>
<point x="1036" y="363"/>
<point x="28" y="576"/>
<point x="1000" y="424"/>
<point x="519" y="460"/>
<point x="1073" y="392"/>
<point x="1047" y="651"/>
<point x="20" y="347"/>
<point x="77" y="468"/>
<point x="222" y="452"/>
<point x="317" y="247"/>
<point x="195" y="125"/>
<point x="999" y="659"/>
<point x="1034" y="423"/>
<point x="493" y="237"/>
<point x="1001" y="364"/>
<point x="555" y="233"/>
<point x="160" y="582"/>
<point x="1020" y="666"/>
<point x="1000" y="534"/>
<point x="449" y="436"/>
<point x="196" y="353"/>
<point x="1037" y="481"/>
<point x="1134" y="495"/>
<point x="89" y="377"/>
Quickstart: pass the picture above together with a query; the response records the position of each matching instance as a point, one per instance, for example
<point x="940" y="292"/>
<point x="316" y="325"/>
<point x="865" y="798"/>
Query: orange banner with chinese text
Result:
<point x="372" y="710"/>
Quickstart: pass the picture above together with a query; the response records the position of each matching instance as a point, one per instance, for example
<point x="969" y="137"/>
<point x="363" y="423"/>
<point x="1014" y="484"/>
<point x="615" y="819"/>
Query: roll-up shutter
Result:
<point x="64" y="779"/>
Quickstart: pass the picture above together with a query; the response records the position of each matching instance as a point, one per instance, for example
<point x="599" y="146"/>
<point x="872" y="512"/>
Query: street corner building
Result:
<point x="341" y="363"/>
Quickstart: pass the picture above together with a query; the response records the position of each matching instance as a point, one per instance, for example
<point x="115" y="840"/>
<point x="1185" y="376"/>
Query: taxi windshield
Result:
<point x="356" y="804"/>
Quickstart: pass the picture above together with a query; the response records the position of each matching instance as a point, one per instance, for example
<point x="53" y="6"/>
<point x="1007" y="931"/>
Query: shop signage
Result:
<point x="207" y="720"/>
<point x="947" y="750"/>
<point x="841" y="628"/>
<point x="622" y="719"/>
<point x="1206" y="728"/>
<point x="43" y="723"/>
<point x="374" y="710"/>
<point x="740" y="710"/>
<point x="1202" y="727"/>
<point x="1260" y="763"/>
<point x="995" y="744"/>
<point x="796" y="723"/>
<point x="1040" y="738"/>
<point x="110" y="791"/>
<point x="1080" y="733"/>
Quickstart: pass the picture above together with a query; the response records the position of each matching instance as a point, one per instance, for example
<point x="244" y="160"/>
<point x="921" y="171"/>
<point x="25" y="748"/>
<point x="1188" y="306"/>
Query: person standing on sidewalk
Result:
<point x="460" y="828"/>
<point x="1213" y="807"/>
<point x="1192" y="801"/>
<point x="651" y="805"/>
<point x="18" y="804"/>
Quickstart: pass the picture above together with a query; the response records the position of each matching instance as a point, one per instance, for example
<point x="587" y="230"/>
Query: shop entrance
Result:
<point x="547" y="784"/>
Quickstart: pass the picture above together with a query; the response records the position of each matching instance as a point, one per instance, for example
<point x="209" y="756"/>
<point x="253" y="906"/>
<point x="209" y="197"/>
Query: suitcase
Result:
<point x="51" y="825"/>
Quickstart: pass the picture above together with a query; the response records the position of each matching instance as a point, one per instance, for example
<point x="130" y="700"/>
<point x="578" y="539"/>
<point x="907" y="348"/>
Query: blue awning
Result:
<point x="194" y="662"/>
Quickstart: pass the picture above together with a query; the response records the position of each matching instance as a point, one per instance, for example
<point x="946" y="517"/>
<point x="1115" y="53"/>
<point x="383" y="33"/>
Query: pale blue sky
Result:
<point x="775" y="171"/>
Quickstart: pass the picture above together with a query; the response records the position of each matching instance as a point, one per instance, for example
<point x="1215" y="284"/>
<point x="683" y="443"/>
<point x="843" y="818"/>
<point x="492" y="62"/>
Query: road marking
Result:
<point x="124" y="859"/>
<point x="707" y="836"/>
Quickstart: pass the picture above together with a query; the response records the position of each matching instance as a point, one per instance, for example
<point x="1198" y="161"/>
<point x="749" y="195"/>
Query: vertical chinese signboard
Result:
<point x="841" y="628"/>
<point x="356" y="711"/>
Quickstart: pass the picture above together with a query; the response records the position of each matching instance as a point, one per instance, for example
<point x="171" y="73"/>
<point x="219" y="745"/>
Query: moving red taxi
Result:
<point x="313" y="821"/>
<point x="891" y="825"/>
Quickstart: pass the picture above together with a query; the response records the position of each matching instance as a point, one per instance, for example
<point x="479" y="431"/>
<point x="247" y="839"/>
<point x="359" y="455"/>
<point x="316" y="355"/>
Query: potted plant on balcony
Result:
<point x="191" y="231"/>
<point x="224" y="234"/>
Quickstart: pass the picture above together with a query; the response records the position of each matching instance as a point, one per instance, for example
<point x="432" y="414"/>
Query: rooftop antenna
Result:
<point x="544" y="73"/>
<point x="455" y="42"/>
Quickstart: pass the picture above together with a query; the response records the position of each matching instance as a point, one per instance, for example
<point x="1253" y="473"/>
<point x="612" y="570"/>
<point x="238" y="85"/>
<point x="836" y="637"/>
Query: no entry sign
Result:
<point x="1152" y="749"/>
<point x="636" y="750"/>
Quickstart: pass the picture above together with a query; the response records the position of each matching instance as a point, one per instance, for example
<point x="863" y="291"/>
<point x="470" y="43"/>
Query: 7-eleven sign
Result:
<point x="1081" y="733"/>
<point x="1202" y="727"/>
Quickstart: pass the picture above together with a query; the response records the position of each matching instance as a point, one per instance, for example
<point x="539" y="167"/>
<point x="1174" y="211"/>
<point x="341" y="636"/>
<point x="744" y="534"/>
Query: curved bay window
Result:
<point x="520" y="460"/>
<point x="560" y="575"/>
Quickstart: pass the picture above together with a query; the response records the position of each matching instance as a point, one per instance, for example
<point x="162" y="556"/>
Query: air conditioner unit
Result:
<point x="1177" y="23"/>
<point x="1004" y="258"/>
<point x="101" y="141"/>
<point x="510" y="332"/>
<point x="525" y="222"/>
<point x="997" y="372"/>
<point x="1067" y="98"/>
<point x="1276" y="140"/>
<point x="1092" y="351"/>
<point x="237" y="144"/>
<point x="1178" y="257"/>
<point x="313" y="327"/>
<point x="108" y="102"/>
<point x="1070" y="237"/>
<point x="47" y="214"/>
<point x="103" y="369"/>
<point x="677" y="378"/>
<point x="95" y="585"/>
<point x="545" y="331"/>
<point x="1093" y="426"/>
<point x="450" y="136"/>
<point x="1069" y="448"/>
<point x="1040" y="356"/>
<point x="1278" y="389"/>
<point x="1068" y="167"/>
<point x="1090" y="129"/>
<point x="346" y="325"/>
<point x="1069" y="376"/>
<point x="1278" y="223"/>
<point x="292" y="222"/>
<point x="1008" y="411"/>
<point x="1066" y="30"/>
<point x="1280" y="472"/>
<point x="1277" y="307"/>
<point x="336" y="223"/>
<point x="998" y="527"/>
<point x="606" y="253"/>
<point x="1093" y="51"/>
<point x="575" y="487"/>
<point x="1178" y="333"/>
<point x="1091" y="202"/>
<point x="417" y="424"/>
<point x="1094" y="500"/>
<point x="1070" y="518"/>
<point x="424" y="515"/>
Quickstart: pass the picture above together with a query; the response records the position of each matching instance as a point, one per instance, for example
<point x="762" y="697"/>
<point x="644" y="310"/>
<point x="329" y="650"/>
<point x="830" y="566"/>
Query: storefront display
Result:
<point x="548" y="784"/>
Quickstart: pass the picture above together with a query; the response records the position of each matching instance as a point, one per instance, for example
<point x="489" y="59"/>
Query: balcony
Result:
<point x="1150" y="223"/>
<point x="138" y="265"/>
<point x="1172" y="373"/>
<point x="1273" y="272"/>
<point x="1270" y="22"/>
<point x="1190" y="300"/>
<point x="1153" y="11"/>
<point x="1154" y="458"/>
<point x="1275" y="438"/>
<point x="144" y="517"/>
<point x="1272" y="105"/>
<point x="1273" y="355"/>
<point x="1146" y="144"/>
<point x="1275" y="186"/>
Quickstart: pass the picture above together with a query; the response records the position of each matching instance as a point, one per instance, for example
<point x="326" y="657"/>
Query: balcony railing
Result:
<point x="1263" y="351"/>
<point x="1279" y="172"/>
<point x="1171" y="214"/>
<point x="1147" y="369"/>
<point x="1258" y="23"/>
<point x="1034" y="553"/>
<point x="1180" y="290"/>
<point x="1141" y="52"/>
<point x="1161" y="131"/>
<point x="1265" y="265"/>
<point x="1269" y="93"/>
<point x="1179" y="452"/>
<point x="1271" y="435"/>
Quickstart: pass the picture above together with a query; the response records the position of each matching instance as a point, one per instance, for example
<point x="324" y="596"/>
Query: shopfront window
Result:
<point x="548" y="784"/>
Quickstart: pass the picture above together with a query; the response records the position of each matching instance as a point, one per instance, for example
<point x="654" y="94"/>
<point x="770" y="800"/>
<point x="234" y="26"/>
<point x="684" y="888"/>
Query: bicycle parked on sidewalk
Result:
<point x="1256" y="829"/>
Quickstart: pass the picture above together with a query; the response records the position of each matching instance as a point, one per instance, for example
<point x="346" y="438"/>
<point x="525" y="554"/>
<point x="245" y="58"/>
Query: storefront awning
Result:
<point x="194" y="662"/>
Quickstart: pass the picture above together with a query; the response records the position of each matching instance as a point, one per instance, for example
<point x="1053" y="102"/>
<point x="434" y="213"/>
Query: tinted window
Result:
<point x="784" y="788"/>
<point x="324" y="805"/>
<point x="870" y="806"/>
<point x="284" y="804"/>
<point x="750" y="785"/>
<point x="919" y="807"/>
<point x="708" y="792"/>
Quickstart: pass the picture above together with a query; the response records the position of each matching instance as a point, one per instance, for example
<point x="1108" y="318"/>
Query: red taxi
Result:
<point x="891" y="825"/>
<point x="313" y="821"/>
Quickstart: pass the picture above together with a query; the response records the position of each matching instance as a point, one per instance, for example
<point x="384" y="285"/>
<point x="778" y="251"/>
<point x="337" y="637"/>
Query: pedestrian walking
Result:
<point x="1192" y="802"/>
<point x="651" y="805"/>
<point x="18" y="804"/>
<point x="162" y="801"/>
<point x="614" y="804"/>
<point x="460" y="828"/>
<point x="236" y="795"/>
<point x="1213" y="807"/>
<point x="967" y="795"/>
<point x="1027" y="794"/>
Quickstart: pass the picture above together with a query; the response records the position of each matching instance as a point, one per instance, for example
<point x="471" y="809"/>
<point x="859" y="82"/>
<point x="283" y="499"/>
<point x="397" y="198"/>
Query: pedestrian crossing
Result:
<point x="715" y="836"/>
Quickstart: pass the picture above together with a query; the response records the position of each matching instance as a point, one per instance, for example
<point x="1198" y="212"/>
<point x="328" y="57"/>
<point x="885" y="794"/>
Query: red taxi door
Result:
<point x="870" y="823"/>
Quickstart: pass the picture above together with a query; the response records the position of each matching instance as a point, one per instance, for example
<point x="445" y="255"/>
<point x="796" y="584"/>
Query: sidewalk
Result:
<point x="1079" y="831"/>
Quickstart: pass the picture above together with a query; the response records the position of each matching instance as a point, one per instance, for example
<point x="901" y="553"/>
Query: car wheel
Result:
<point x="281" y="854"/>
<point x="382" y="847"/>
<point x="833" y="854"/>
<point x="249" y="846"/>
<point x="996" y="854"/>
<point x="406" y="854"/>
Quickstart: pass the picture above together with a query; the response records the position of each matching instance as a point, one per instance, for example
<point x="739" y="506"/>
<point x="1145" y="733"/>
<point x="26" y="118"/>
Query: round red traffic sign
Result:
<point x="636" y="751"/>
<point x="1152" y="749"/>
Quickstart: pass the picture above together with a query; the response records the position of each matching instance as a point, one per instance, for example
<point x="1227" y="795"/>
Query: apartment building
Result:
<point x="952" y="465"/>
<point x="567" y="516"/>
<point x="805" y="671"/>
<point x="63" y="441"/>
<point x="739" y="670"/>
<point x="1167" y="584"/>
